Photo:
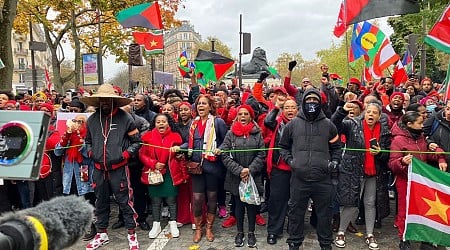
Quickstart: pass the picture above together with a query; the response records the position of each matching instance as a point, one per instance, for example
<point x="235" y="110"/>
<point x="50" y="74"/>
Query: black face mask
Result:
<point x="311" y="110"/>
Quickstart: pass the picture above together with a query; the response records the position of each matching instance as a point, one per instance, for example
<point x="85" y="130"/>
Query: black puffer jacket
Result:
<point x="351" y="169"/>
<point x="236" y="161"/>
<point x="305" y="145"/>
<point x="440" y="133"/>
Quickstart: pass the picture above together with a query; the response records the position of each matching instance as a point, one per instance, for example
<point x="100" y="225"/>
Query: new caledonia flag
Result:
<point x="428" y="204"/>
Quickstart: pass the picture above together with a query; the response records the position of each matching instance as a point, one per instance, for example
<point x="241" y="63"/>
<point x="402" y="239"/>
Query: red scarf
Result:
<point x="369" y="162"/>
<point x="281" y="118"/>
<point x="75" y="140"/>
<point x="239" y="129"/>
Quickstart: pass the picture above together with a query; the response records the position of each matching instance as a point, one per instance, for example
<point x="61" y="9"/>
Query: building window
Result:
<point x="185" y="36"/>
<point x="22" y="78"/>
<point x="22" y="64"/>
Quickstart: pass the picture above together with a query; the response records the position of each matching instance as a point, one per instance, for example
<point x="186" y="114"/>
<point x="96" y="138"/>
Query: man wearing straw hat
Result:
<point x="112" y="138"/>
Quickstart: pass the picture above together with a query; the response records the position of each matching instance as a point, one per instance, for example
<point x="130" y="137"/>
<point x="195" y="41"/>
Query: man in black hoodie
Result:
<point x="310" y="145"/>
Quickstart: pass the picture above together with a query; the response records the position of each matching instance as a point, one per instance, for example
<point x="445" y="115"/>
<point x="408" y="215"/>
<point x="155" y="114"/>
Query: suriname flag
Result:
<point x="428" y="204"/>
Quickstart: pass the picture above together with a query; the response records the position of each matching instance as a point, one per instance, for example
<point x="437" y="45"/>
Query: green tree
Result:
<point x="77" y="22"/>
<point x="281" y="64"/>
<point x="219" y="46"/>
<point x="8" y="9"/>
<point x="336" y="57"/>
<point x="436" y="63"/>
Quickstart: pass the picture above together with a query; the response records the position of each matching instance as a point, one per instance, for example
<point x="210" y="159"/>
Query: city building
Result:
<point x="183" y="38"/>
<point x="21" y="80"/>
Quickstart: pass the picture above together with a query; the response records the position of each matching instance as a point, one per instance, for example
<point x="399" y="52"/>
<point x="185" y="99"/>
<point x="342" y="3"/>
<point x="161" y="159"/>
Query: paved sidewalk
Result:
<point x="386" y="237"/>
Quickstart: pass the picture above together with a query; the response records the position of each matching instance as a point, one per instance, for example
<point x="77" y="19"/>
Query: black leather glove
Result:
<point x="292" y="65"/>
<point x="263" y="76"/>
<point x="333" y="167"/>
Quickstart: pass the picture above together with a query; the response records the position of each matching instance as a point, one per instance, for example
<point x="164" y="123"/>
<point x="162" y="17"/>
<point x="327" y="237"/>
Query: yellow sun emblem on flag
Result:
<point x="437" y="208"/>
<point x="368" y="41"/>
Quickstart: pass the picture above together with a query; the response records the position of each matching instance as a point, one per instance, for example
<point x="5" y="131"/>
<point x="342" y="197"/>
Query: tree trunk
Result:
<point x="76" y="40"/>
<point x="7" y="15"/>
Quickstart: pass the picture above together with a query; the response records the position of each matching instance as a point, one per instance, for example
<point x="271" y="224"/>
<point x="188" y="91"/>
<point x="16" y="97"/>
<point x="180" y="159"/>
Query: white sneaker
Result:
<point x="193" y="226"/>
<point x="133" y="241"/>
<point x="174" y="229"/>
<point x="99" y="240"/>
<point x="165" y="212"/>
<point x="371" y="242"/>
<point x="340" y="240"/>
<point x="156" y="229"/>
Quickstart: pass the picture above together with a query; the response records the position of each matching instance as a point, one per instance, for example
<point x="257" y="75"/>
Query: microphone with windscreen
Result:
<point x="54" y="224"/>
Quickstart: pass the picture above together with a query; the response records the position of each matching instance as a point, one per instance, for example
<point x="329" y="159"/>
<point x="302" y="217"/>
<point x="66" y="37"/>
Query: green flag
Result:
<point x="1" y="64"/>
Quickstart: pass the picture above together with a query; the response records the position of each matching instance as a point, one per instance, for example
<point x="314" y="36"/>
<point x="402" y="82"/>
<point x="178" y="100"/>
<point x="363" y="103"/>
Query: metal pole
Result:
<point x="240" y="50"/>
<point x="212" y="46"/>
<point x="130" y="72"/>
<point x="423" y="53"/>
<point x="33" y="63"/>
<point x="100" y="53"/>
<point x="152" y="63"/>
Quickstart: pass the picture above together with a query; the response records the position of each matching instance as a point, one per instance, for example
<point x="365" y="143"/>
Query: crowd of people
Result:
<point x="176" y="155"/>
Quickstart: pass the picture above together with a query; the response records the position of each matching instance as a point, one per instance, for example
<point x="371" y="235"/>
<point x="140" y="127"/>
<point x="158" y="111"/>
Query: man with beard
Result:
<point x="395" y="108"/>
<point x="310" y="146"/>
<point x="428" y="88"/>
<point x="111" y="139"/>
<point x="388" y="84"/>
<point x="142" y="107"/>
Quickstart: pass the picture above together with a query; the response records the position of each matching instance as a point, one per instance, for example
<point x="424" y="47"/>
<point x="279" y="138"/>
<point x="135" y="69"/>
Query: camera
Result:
<point x="22" y="142"/>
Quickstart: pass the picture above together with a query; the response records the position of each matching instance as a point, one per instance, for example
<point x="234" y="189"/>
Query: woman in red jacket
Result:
<point x="407" y="136"/>
<point x="155" y="155"/>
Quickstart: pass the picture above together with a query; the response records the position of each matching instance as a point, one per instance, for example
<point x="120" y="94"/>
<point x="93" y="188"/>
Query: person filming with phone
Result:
<point x="362" y="171"/>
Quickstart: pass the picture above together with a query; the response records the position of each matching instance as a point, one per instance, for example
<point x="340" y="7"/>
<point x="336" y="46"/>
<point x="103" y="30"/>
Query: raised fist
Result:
<point x="263" y="76"/>
<point x="292" y="65"/>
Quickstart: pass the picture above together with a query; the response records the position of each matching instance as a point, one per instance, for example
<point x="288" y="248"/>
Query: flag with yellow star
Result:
<point x="428" y="204"/>
<point x="153" y="41"/>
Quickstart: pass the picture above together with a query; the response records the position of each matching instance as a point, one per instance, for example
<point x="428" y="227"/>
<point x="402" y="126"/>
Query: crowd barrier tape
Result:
<point x="266" y="149"/>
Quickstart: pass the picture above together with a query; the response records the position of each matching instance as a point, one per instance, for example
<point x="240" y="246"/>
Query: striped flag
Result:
<point x="385" y="57"/>
<point x="439" y="36"/>
<point x="153" y="41"/>
<point x="48" y="81"/>
<point x="1" y="64"/>
<point x="399" y="74"/>
<point x="446" y="86"/>
<point x="428" y="204"/>
<point x="408" y="62"/>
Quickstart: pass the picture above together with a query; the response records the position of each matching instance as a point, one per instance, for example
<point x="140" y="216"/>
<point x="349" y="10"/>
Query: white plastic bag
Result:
<point x="248" y="192"/>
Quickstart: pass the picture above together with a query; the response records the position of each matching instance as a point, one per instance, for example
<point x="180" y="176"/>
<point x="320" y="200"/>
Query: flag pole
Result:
<point x="346" y="42"/>
<point x="240" y="51"/>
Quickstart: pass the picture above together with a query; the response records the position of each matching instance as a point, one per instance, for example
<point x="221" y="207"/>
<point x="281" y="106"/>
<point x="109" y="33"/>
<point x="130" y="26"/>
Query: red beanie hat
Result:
<point x="48" y="106"/>
<point x="397" y="94"/>
<point x="356" y="81"/>
<point x="249" y="109"/>
<point x="185" y="103"/>
<point x="11" y="102"/>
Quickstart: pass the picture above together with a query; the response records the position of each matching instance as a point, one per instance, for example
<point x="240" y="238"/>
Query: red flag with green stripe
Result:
<point x="428" y="204"/>
<point x="439" y="36"/>
<point x="212" y="65"/>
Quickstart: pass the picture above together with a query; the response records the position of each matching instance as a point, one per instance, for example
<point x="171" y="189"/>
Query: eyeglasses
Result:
<point x="78" y="121"/>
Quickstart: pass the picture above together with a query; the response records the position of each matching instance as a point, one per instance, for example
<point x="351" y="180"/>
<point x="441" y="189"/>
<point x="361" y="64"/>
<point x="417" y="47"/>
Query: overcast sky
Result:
<point x="292" y="26"/>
